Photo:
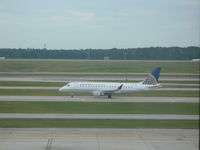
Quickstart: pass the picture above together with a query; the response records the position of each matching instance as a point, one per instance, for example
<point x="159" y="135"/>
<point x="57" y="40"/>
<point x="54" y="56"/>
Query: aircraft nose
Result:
<point x="61" y="89"/>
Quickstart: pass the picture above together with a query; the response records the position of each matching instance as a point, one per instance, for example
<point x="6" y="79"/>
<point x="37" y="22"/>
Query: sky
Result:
<point x="82" y="24"/>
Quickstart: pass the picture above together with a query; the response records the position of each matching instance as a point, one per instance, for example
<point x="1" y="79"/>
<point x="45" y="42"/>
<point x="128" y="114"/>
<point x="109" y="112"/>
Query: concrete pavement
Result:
<point x="97" y="116"/>
<point x="56" y="88"/>
<point x="97" y="139"/>
<point x="101" y="99"/>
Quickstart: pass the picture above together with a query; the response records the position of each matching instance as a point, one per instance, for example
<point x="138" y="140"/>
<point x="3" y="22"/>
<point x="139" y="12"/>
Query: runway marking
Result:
<point x="49" y="143"/>
<point x="98" y="143"/>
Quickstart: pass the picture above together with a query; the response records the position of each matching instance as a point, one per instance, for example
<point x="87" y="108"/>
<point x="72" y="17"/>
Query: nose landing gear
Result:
<point x="109" y="96"/>
<point x="72" y="95"/>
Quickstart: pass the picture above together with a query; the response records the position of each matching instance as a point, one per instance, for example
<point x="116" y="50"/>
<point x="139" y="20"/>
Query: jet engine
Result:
<point x="98" y="93"/>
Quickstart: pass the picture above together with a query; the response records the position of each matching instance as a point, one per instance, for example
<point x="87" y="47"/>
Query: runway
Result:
<point x="86" y="78"/>
<point x="97" y="139"/>
<point x="100" y="99"/>
<point x="97" y="116"/>
<point x="56" y="88"/>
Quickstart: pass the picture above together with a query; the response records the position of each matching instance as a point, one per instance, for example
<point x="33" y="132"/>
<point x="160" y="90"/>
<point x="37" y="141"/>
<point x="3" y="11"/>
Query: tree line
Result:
<point x="150" y="53"/>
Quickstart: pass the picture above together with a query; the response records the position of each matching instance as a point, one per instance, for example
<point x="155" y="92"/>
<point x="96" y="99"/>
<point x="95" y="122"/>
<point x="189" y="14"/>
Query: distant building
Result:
<point x="2" y="58"/>
<point x="106" y="58"/>
<point x="195" y="60"/>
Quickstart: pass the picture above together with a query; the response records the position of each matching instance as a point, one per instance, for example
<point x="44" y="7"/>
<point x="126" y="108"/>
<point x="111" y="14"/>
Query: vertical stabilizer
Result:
<point x="152" y="78"/>
<point x="156" y="73"/>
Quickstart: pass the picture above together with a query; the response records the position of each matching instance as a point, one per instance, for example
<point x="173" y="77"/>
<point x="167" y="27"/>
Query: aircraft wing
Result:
<point x="112" y="91"/>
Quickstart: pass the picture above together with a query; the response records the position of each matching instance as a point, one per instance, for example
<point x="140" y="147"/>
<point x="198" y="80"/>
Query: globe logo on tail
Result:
<point x="152" y="78"/>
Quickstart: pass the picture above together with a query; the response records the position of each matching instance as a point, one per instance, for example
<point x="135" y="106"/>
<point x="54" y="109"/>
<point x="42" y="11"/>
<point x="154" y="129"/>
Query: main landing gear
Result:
<point x="109" y="96"/>
<point x="72" y="95"/>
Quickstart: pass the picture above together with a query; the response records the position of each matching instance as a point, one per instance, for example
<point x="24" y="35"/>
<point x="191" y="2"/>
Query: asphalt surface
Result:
<point x="56" y="88"/>
<point x="85" y="78"/>
<point x="101" y="99"/>
<point x="97" y="139"/>
<point x="96" y="116"/>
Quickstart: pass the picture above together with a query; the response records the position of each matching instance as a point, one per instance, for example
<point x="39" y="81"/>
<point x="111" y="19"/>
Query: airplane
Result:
<point x="110" y="88"/>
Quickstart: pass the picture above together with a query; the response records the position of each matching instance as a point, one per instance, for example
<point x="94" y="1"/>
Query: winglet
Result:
<point x="120" y="87"/>
<point x="156" y="73"/>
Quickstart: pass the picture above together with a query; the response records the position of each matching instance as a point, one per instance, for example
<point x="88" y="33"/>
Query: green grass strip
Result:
<point x="34" y="84"/>
<point x="99" y="108"/>
<point x="96" y="66"/>
<point x="140" y="94"/>
<point x="167" y="124"/>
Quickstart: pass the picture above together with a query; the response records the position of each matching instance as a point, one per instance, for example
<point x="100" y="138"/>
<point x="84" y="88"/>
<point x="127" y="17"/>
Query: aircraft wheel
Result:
<point x="72" y="95"/>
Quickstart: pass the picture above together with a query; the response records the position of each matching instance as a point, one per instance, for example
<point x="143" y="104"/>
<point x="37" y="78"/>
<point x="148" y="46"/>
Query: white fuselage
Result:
<point x="91" y="87"/>
<point x="110" y="88"/>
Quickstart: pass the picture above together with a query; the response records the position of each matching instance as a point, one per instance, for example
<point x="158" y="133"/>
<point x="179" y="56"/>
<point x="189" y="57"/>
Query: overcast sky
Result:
<point x="99" y="23"/>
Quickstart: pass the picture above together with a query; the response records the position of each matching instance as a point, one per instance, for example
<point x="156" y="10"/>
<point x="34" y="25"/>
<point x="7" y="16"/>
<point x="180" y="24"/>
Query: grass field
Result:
<point x="99" y="108"/>
<point x="18" y="92"/>
<point x="167" y="124"/>
<point x="96" y="66"/>
<point x="8" y="67"/>
<point x="34" y="84"/>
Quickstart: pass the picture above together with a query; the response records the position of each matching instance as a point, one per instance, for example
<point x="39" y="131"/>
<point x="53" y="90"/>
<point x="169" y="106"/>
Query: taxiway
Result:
<point x="97" y="116"/>
<point x="57" y="88"/>
<point x="97" y="139"/>
<point x="101" y="99"/>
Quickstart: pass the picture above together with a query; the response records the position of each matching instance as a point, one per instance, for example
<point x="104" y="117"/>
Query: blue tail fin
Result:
<point x="156" y="73"/>
<point x="152" y="78"/>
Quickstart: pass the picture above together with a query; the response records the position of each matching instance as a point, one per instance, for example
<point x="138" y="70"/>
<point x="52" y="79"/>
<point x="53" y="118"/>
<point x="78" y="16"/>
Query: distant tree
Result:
<point x="151" y="53"/>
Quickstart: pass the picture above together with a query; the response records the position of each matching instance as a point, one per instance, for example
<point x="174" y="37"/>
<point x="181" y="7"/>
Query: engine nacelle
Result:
<point x="98" y="93"/>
